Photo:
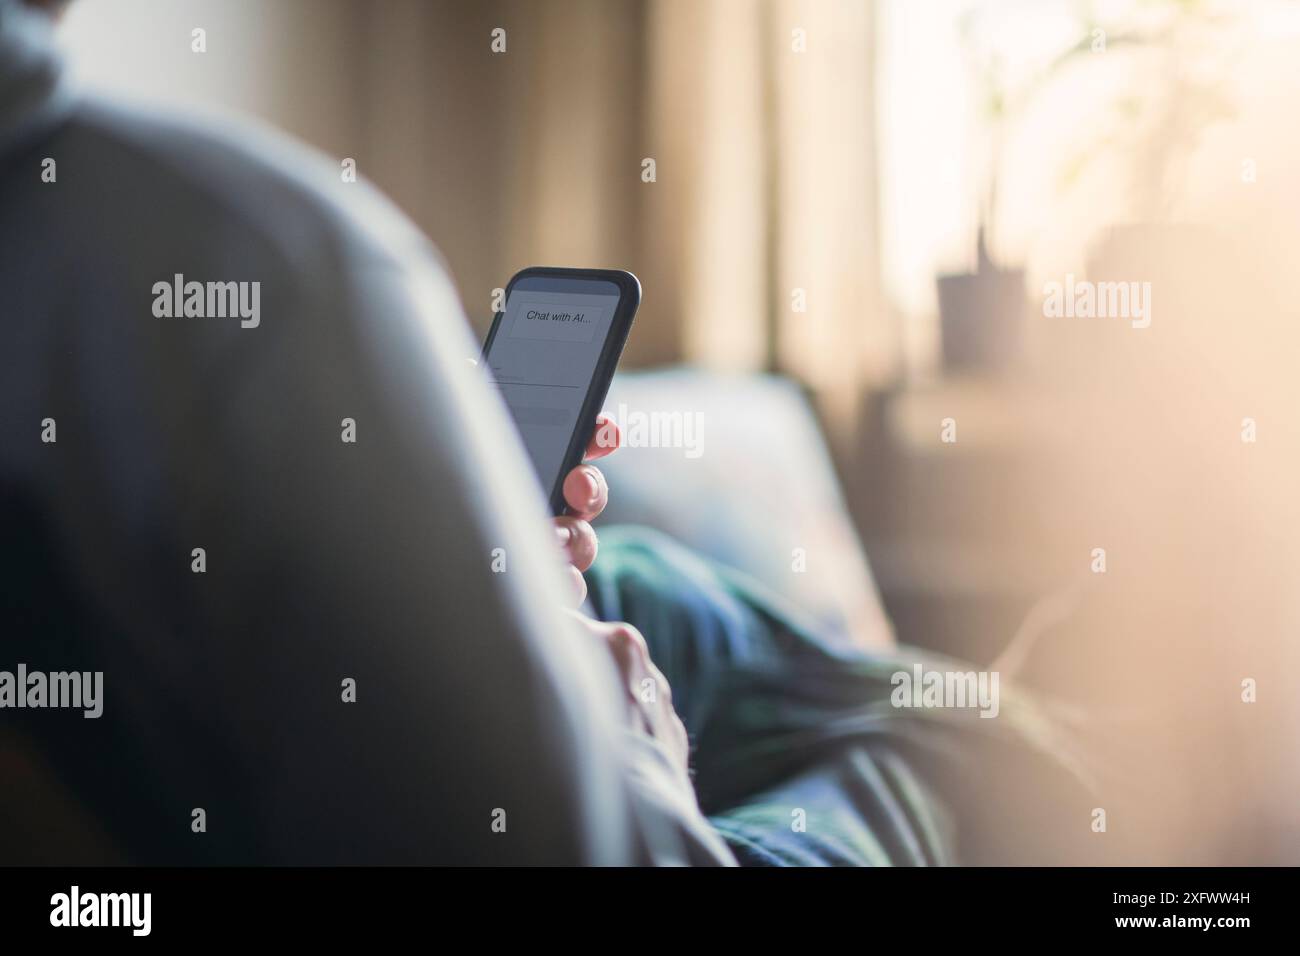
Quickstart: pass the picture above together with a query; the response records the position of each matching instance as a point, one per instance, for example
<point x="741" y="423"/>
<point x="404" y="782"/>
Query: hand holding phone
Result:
<point x="552" y="354"/>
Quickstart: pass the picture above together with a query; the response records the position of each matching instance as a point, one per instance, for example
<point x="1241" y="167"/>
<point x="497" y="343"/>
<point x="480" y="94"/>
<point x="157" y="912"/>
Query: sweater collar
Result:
<point x="34" y="93"/>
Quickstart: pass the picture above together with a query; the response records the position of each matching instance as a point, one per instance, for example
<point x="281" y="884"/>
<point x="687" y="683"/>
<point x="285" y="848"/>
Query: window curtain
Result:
<point x="755" y="230"/>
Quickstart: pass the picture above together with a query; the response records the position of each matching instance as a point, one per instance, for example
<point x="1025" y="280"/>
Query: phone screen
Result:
<point x="545" y="357"/>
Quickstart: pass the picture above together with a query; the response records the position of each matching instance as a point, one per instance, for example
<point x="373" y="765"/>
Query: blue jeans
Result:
<point x="798" y="755"/>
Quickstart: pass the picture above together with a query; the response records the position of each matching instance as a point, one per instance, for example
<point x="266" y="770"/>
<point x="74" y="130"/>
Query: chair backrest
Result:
<point x="735" y="467"/>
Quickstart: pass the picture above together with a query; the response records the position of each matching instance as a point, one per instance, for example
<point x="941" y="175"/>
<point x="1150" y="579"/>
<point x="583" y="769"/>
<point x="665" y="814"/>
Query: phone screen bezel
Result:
<point x="629" y="298"/>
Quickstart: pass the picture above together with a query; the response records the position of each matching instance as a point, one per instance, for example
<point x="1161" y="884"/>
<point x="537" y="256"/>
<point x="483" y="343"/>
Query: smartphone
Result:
<point x="552" y="354"/>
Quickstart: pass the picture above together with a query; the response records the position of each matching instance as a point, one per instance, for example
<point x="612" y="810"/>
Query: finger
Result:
<point x="664" y="689"/>
<point x="604" y="438"/>
<point x="585" y="491"/>
<point x="678" y="729"/>
<point x="578" y="539"/>
<point x="579" y="585"/>
<point x="627" y="658"/>
<point x="629" y="649"/>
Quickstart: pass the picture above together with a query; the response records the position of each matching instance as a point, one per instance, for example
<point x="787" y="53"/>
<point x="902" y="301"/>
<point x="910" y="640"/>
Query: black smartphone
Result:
<point x="552" y="354"/>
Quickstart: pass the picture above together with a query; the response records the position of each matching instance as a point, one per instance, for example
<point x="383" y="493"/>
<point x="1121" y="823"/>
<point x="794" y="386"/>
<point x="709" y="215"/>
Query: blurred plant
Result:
<point x="1179" y="53"/>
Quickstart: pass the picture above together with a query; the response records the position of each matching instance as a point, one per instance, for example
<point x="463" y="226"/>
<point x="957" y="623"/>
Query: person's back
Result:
<point x="248" y="473"/>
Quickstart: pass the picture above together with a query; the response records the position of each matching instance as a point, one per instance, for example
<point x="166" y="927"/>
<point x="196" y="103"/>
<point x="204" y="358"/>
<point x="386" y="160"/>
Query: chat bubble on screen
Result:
<point x="557" y="322"/>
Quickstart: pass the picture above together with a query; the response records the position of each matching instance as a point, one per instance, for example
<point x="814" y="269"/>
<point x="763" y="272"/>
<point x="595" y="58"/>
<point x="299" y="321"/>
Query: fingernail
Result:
<point x="564" y="533"/>
<point x="593" y="486"/>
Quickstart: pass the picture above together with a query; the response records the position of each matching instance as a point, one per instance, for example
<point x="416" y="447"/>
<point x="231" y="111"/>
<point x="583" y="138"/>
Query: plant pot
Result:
<point x="981" y="318"/>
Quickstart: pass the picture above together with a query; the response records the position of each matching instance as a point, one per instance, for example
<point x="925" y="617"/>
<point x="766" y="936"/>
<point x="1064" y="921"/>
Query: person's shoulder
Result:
<point x="219" y="172"/>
